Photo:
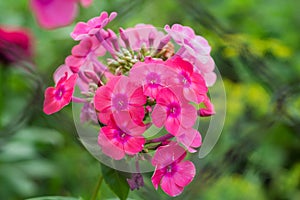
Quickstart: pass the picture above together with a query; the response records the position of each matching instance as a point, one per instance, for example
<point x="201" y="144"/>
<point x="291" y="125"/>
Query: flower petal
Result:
<point x="169" y="186"/>
<point x="185" y="173"/>
<point x="159" y="115"/>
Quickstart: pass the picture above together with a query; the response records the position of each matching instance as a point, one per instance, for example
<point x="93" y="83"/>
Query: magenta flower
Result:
<point x="59" y="96"/>
<point x="118" y="95"/>
<point x="173" y="111"/>
<point x="153" y="75"/>
<point x="54" y="13"/>
<point x="192" y="83"/>
<point x="83" y="30"/>
<point x="171" y="172"/>
<point x="118" y="141"/>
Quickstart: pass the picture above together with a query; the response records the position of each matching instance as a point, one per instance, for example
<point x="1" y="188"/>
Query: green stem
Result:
<point x="2" y="88"/>
<point x="98" y="186"/>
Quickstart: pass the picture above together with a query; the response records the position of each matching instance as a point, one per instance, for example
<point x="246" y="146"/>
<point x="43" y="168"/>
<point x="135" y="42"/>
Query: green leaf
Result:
<point x="116" y="181"/>
<point x="55" y="198"/>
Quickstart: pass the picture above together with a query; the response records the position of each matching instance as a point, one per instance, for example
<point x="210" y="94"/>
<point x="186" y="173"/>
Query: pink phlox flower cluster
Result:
<point x="56" y="13"/>
<point x="139" y="82"/>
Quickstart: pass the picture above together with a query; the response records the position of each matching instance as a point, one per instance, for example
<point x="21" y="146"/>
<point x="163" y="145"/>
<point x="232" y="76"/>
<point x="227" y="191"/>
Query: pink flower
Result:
<point x="59" y="96"/>
<point x="192" y="83"/>
<point x="86" y="3"/>
<point x="209" y="110"/>
<point x="54" y="13"/>
<point x="83" y="30"/>
<point x="195" y="49"/>
<point x="190" y="139"/>
<point x="171" y="172"/>
<point x="120" y="94"/>
<point x="142" y="35"/>
<point x="173" y="111"/>
<point x="84" y="61"/>
<point x="185" y="36"/>
<point x="15" y="44"/>
<point x="60" y="72"/>
<point x="117" y="141"/>
<point x="86" y="51"/>
<point x="152" y="74"/>
<point x="205" y="69"/>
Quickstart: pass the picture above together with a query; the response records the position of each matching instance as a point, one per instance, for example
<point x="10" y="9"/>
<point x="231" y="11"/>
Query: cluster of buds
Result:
<point x="135" y="80"/>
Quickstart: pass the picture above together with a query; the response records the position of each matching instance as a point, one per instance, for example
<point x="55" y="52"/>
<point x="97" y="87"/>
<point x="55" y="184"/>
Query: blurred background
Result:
<point x="256" y="47"/>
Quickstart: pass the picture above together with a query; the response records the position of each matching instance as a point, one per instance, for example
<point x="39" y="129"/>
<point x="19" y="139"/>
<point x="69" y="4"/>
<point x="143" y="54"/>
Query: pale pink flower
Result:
<point x="86" y="3"/>
<point x="195" y="49"/>
<point x="192" y="83"/>
<point x="190" y="139"/>
<point x="120" y="94"/>
<point x="185" y="36"/>
<point x="90" y="28"/>
<point x="59" y="96"/>
<point x="171" y="172"/>
<point x="88" y="113"/>
<point x="152" y="74"/>
<point x="118" y="141"/>
<point x="141" y="35"/>
<point x="60" y="72"/>
<point x="54" y="13"/>
<point x="173" y="111"/>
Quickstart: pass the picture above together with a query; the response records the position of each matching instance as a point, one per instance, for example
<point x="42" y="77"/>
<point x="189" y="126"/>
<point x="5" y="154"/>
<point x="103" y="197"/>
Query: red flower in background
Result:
<point x="56" y="13"/>
<point x="15" y="44"/>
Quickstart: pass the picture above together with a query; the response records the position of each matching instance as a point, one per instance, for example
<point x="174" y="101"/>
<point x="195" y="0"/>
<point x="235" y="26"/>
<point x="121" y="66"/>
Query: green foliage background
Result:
<point x="256" y="47"/>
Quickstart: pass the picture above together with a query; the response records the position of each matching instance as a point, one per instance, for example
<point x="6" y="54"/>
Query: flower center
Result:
<point x="122" y="137"/>
<point x="169" y="169"/>
<point x="120" y="102"/>
<point x="184" y="79"/>
<point x="153" y="79"/>
<point x="173" y="110"/>
<point x="59" y="93"/>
